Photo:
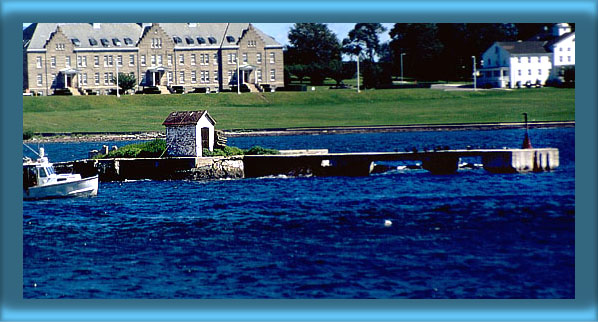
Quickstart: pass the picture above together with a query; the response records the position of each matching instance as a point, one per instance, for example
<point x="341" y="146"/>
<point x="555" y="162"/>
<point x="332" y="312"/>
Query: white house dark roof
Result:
<point x="524" y="47"/>
<point x="186" y="118"/>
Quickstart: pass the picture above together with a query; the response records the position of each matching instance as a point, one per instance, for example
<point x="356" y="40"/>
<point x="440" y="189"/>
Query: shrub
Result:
<point x="231" y="150"/>
<point x="150" y="149"/>
<point x="27" y="134"/>
<point x="258" y="150"/>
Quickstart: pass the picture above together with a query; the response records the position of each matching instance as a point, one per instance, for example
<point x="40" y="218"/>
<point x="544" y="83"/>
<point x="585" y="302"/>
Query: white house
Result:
<point x="189" y="132"/>
<point x="519" y="63"/>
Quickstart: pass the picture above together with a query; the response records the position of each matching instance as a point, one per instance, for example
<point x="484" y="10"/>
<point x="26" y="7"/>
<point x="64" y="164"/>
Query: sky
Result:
<point x="280" y="30"/>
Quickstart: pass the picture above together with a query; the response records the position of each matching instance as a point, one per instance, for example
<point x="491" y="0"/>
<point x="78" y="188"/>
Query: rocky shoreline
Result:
<point x="144" y="136"/>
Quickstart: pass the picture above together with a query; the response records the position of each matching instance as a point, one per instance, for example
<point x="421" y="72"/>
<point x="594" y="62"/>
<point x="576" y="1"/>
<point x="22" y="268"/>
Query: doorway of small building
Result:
<point x="205" y="138"/>
<point x="69" y="80"/>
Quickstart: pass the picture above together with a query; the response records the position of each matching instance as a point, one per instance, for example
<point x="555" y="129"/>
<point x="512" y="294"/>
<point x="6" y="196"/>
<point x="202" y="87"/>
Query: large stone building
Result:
<point x="532" y="62"/>
<point x="84" y="58"/>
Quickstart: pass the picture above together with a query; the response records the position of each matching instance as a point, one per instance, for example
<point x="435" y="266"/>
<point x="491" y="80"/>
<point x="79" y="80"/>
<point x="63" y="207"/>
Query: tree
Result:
<point x="363" y="39"/>
<point x="340" y="71"/>
<point x="313" y="45"/>
<point x="422" y="48"/>
<point x="125" y="81"/>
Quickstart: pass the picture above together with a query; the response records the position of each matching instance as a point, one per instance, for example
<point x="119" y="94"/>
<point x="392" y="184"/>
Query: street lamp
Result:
<point x="402" y="54"/>
<point x="475" y="87"/>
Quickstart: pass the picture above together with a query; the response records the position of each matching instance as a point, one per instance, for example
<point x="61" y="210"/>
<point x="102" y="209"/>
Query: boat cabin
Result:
<point x="37" y="174"/>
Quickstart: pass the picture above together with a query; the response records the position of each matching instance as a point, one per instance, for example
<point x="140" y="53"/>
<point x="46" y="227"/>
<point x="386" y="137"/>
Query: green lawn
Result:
<point x="321" y="107"/>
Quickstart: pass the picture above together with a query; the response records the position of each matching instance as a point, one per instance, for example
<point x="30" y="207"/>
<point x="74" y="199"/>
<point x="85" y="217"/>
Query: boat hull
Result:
<point x="64" y="189"/>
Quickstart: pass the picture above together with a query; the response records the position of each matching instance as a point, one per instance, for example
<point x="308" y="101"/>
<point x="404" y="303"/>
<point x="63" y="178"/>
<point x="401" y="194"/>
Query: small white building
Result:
<point x="519" y="63"/>
<point x="189" y="132"/>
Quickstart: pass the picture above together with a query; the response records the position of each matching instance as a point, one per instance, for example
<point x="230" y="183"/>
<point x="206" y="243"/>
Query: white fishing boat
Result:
<point x="41" y="182"/>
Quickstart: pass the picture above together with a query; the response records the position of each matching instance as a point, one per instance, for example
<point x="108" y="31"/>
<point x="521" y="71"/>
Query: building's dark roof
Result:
<point x="524" y="47"/>
<point x="187" y="117"/>
<point x="550" y="43"/>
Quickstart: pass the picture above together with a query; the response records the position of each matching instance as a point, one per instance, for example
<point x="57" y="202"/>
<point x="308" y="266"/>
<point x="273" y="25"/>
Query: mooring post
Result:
<point x="527" y="143"/>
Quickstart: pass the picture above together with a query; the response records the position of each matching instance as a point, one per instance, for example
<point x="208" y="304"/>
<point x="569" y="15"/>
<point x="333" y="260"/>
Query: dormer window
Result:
<point x="201" y="40"/>
<point x="189" y="40"/>
<point x="230" y="39"/>
<point x="128" y="41"/>
<point x="105" y="42"/>
<point x="93" y="42"/>
<point x="76" y="42"/>
<point x="212" y="40"/>
<point x="177" y="40"/>
<point x="116" y="42"/>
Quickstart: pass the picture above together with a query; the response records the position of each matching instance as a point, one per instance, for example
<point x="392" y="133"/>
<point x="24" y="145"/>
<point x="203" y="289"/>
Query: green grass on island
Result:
<point x="322" y="107"/>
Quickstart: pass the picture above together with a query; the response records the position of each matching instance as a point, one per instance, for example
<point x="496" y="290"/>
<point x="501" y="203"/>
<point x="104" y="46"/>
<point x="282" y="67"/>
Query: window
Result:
<point x="258" y="58"/>
<point x="177" y="40"/>
<point x="207" y="76"/>
<point x="568" y="48"/>
<point x="53" y="79"/>
<point x="232" y="58"/>
<point x="116" y="42"/>
<point x="60" y="47"/>
<point x="97" y="78"/>
<point x="128" y="42"/>
<point x="272" y="60"/>
<point x="245" y="58"/>
<point x="561" y="49"/>
<point x="84" y="61"/>
<point x="230" y="76"/>
<point x="569" y="58"/>
<point x="272" y="75"/>
<point x="131" y="60"/>
<point x="202" y="77"/>
<point x="193" y="60"/>
<point x="251" y="43"/>
<point x="539" y="72"/>
<point x="67" y="61"/>
<point x="76" y="42"/>
<point x="38" y="62"/>
<point x="258" y="75"/>
<point x="200" y="40"/>
<point x="105" y="61"/>
<point x="156" y="43"/>
<point x="230" y="39"/>
<point x="159" y="62"/>
<point x="153" y="59"/>
<point x="142" y="60"/>
<point x="93" y="42"/>
<point x="111" y="78"/>
<point x="119" y="60"/>
<point x="39" y="80"/>
<point x="207" y="58"/>
<point x="215" y="59"/>
<point x="170" y="80"/>
<point x="53" y="61"/>
<point x="181" y="59"/>
<point x="212" y="40"/>
<point x="529" y="59"/>
<point x="110" y="61"/>
<point x="96" y="61"/>
<point x="194" y="77"/>
<point x="169" y="57"/>
<point x="519" y="60"/>
<point x="84" y="79"/>
<point x="215" y="76"/>
<point x="519" y="72"/>
<point x="529" y="72"/>
<point x="561" y="59"/>
<point x="105" y="78"/>
<point x="182" y="78"/>
<point x="105" y="42"/>
<point x="189" y="40"/>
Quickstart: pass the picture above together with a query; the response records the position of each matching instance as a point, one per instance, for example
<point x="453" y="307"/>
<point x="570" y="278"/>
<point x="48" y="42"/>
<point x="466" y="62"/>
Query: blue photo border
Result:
<point x="14" y="12"/>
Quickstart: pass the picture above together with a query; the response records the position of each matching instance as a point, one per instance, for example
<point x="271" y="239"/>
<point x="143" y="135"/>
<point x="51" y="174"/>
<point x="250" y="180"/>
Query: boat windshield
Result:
<point x="50" y="171"/>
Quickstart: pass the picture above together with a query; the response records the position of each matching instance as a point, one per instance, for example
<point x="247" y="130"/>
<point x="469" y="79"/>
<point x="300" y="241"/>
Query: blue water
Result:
<point x="469" y="235"/>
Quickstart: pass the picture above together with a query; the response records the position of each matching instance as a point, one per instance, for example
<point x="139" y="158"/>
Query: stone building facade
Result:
<point x="83" y="58"/>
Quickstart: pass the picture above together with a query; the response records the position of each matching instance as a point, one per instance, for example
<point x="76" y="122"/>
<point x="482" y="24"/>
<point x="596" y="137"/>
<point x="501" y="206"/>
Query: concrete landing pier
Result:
<point x="306" y="162"/>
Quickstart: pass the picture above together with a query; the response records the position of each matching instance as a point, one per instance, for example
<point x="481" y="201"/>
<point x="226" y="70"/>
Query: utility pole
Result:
<point x="402" y="80"/>
<point x="117" y="92"/>
<point x="357" y="73"/>
<point x="475" y="86"/>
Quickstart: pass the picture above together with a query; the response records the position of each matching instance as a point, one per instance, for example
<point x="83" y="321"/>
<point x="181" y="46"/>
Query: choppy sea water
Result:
<point x="468" y="235"/>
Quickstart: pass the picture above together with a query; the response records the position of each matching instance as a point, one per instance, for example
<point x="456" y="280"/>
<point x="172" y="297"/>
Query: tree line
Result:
<point x="420" y="51"/>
